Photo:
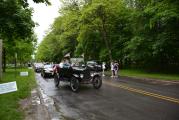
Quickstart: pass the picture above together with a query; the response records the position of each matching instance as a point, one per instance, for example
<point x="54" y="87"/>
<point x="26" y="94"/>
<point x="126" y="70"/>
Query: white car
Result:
<point x="47" y="70"/>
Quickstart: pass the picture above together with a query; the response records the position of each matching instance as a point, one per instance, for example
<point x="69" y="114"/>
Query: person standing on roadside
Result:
<point x="112" y="69"/>
<point x="116" y="68"/>
<point x="103" y="67"/>
<point x="61" y="63"/>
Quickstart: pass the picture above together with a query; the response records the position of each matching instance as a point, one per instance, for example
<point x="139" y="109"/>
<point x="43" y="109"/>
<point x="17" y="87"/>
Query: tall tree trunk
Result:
<point x="106" y="39"/>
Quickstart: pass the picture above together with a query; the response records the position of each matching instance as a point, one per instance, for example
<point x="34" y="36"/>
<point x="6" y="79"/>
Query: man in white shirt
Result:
<point x="112" y="69"/>
<point x="103" y="67"/>
<point x="61" y="64"/>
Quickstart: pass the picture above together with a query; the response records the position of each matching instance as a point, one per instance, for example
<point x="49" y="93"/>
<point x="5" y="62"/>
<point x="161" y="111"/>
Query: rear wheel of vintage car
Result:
<point x="97" y="82"/>
<point x="74" y="84"/>
<point x="56" y="80"/>
<point x="43" y="74"/>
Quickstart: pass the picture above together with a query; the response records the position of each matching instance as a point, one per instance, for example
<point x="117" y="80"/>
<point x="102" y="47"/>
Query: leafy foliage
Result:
<point x="15" y="21"/>
<point x="16" y="30"/>
<point x="141" y="33"/>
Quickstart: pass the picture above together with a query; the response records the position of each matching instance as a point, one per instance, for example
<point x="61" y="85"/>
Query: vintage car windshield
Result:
<point x="38" y="64"/>
<point x="48" y="66"/>
<point x="92" y="63"/>
<point x="77" y="62"/>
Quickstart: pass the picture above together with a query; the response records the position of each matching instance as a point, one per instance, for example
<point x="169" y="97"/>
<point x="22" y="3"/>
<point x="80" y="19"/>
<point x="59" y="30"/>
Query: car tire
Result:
<point x="41" y="74"/>
<point x="74" y="84"/>
<point x="56" y="80"/>
<point x="44" y="75"/>
<point x="97" y="82"/>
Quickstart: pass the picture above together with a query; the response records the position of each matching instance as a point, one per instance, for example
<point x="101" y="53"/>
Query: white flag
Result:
<point x="67" y="55"/>
<point x="82" y="55"/>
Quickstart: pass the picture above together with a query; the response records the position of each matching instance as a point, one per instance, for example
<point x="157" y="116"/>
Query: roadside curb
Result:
<point x="49" y="104"/>
<point x="33" y="108"/>
<point x="42" y="113"/>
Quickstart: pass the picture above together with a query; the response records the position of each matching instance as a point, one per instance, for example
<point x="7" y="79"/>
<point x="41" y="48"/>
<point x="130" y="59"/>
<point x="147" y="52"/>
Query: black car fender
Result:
<point x="96" y="75"/>
<point x="76" y="76"/>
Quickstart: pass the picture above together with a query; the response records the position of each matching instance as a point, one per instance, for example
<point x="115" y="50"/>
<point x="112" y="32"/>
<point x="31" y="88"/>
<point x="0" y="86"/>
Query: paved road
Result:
<point x="118" y="99"/>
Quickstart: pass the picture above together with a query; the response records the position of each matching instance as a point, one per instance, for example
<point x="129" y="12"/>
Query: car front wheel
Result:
<point x="97" y="82"/>
<point x="74" y="84"/>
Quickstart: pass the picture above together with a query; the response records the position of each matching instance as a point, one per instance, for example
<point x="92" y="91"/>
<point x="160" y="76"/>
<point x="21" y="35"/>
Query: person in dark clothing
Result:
<point x="116" y="69"/>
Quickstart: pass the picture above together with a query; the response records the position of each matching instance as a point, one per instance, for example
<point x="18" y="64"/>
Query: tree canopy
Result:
<point x="16" y="29"/>
<point x="140" y="33"/>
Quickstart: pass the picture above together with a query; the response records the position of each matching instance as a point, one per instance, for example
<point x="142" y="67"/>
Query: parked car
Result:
<point x="94" y="65"/>
<point x="47" y="71"/>
<point x="77" y="76"/>
<point x="38" y="67"/>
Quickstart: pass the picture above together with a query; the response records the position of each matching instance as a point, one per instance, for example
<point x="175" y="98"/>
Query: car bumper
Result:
<point x="38" y="70"/>
<point x="49" y="73"/>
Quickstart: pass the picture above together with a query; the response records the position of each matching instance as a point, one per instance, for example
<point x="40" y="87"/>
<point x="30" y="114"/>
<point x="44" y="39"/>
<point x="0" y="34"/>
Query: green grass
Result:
<point x="144" y="74"/>
<point x="9" y="102"/>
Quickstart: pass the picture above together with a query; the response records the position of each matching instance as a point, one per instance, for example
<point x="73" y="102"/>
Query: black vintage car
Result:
<point x="96" y="65"/>
<point x="76" y="76"/>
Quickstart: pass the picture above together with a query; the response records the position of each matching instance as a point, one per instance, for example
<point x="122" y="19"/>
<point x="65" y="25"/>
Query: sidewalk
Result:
<point x="34" y="108"/>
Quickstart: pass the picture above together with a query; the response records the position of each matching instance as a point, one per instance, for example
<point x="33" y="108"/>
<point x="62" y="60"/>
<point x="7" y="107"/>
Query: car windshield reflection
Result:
<point x="48" y="66"/>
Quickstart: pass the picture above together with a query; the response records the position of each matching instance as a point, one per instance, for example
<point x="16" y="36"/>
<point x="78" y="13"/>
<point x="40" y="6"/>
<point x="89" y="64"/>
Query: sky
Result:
<point x="44" y="15"/>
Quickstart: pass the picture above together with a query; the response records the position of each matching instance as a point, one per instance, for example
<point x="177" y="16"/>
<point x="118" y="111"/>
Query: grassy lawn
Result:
<point x="9" y="102"/>
<point x="144" y="74"/>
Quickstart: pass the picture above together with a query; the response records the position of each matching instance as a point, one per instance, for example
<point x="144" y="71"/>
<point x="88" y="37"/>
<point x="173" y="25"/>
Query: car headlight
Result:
<point x="81" y="75"/>
<point x="92" y="74"/>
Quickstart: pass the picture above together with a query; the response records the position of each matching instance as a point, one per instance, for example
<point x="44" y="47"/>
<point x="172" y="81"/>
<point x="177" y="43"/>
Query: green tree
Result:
<point x="109" y="20"/>
<point x="155" y="35"/>
<point x="62" y="38"/>
<point x="141" y="33"/>
<point x="15" y="23"/>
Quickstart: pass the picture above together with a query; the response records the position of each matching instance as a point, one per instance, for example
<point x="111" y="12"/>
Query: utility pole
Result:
<point x="0" y="60"/>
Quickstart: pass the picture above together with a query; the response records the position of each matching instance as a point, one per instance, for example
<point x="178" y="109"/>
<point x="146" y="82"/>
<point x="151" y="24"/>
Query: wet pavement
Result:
<point x="118" y="99"/>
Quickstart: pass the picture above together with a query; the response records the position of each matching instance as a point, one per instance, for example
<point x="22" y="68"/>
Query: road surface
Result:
<point x="118" y="99"/>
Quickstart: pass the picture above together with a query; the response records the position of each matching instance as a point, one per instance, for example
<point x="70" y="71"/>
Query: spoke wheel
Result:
<point x="97" y="82"/>
<point x="44" y="75"/>
<point x="74" y="84"/>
